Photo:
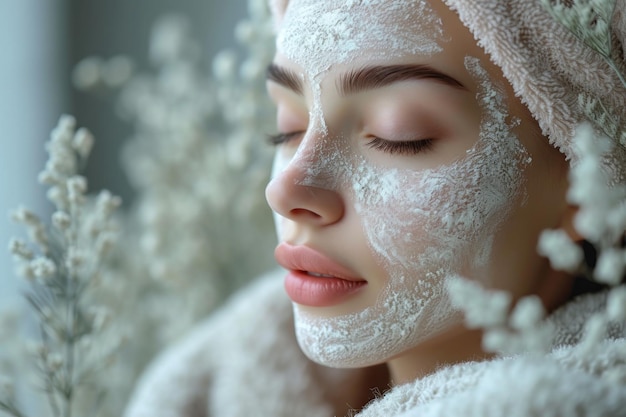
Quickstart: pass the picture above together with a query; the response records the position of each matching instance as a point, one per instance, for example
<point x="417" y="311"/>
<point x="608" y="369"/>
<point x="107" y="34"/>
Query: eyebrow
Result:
<point x="373" y="77"/>
<point x="367" y="78"/>
<point x="284" y="77"/>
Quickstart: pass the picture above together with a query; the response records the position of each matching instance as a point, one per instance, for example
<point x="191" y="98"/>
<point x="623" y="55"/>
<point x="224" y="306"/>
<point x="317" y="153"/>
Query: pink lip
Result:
<point x="311" y="290"/>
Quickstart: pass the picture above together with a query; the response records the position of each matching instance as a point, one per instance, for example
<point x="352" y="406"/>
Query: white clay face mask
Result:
<point x="421" y="226"/>
<point x="317" y="34"/>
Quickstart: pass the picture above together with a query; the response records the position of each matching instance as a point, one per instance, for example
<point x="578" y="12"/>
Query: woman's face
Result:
<point x="404" y="159"/>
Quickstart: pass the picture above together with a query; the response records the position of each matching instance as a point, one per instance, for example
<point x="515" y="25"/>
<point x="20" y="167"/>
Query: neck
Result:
<point x="456" y="345"/>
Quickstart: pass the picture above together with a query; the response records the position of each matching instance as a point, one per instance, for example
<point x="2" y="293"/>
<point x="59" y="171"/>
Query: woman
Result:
<point x="410" y="159"/>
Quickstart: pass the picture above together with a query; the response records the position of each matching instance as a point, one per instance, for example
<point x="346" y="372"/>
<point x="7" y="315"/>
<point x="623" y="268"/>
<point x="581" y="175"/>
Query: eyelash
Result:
<point x="280" y="138"/>
<point x="409" y="147"/>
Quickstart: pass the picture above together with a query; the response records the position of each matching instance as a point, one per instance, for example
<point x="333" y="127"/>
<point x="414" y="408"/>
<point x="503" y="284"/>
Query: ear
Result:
<point x="278" y="8"/>
<point x="567" y="223"/>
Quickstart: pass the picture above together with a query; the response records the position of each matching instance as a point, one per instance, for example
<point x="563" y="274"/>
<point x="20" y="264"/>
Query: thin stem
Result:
<point x="617" y="71"/>
<point x="10" y="408"/>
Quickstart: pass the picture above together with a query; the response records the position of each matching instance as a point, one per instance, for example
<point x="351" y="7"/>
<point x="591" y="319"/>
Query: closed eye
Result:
<point x="408" y="147"/>
<point x="281" y="138"/>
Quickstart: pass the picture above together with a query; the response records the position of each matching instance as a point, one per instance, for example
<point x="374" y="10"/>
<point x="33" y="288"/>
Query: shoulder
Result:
<point x="176" y="382"/>
<point x="567" y="382"/>
<point x="242" y="360"/>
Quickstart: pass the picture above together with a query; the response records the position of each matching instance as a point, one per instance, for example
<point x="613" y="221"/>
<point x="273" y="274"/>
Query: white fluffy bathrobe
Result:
<point x="244" y="361"/>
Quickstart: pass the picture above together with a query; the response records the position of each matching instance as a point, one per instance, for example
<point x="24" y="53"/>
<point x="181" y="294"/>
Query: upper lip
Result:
<point x="304" y="258"/>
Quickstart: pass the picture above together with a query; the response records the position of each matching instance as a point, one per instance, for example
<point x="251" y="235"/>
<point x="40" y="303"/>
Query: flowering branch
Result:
<point x="589" y="21"/>
<point x="61" y="264"/>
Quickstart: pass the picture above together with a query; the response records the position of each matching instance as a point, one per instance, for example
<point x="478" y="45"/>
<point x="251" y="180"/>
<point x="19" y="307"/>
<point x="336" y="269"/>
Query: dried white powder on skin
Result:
<point x="318" y="34"/>
<point x="422" y="226"/>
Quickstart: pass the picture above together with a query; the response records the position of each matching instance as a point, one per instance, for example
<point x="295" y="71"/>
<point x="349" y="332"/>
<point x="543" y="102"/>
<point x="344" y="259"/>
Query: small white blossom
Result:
<point x="528" y="312"/>
<point x="616" y="304"/>
<point x="61" y="220"/>
<point x="610" y="266"/>
<point x="64" y="129"/>
<point x="497" y="340"/>
<point x="58" y="196"/>
<point x="36" y="230"/>
<point x="76" y="188"/>
<point x="168" y="39"/>
<point x="105" y="243"/>
<point x="251" y="70"/>
<point x="37" y="349"/>
<point x="74" y="259"/>
<point x="83" y="142"/>
<point x="100" y="318"/>
<point x="25" y="271"/>
<point x="55" y="362"/>
<point x="560" y="250"/>
<point x="258" y="10"/>
<point x="47" y="177"/>
<point x="590" y="224"/>
<point x="87" y="73"/>
<point x="43" y="267"/>
<point x="482" y="308"/>
<point x="594" y="333"/>
<point x="20" y="249"/>
<point x="25" y="216"/>
<point x="245" y="31"/>
<point x="225" y="65"/>
<point x="107" y="203"/>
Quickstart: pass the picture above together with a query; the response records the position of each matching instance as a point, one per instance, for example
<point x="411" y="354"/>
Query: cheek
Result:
<point x="440" y="220"/>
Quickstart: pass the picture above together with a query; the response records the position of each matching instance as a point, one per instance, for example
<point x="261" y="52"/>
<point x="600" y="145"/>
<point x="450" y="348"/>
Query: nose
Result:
<point x="291" y="196"/>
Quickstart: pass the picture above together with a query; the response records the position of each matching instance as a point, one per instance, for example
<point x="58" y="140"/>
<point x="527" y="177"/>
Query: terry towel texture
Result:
<point x="549" y="67"/>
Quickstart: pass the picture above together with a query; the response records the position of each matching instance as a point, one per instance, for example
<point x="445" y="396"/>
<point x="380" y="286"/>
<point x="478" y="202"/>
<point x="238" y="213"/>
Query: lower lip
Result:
<point x="313" y="291"/>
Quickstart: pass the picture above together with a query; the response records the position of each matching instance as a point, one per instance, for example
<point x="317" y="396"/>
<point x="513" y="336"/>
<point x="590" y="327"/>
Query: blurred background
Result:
<point x="41" y="42"/>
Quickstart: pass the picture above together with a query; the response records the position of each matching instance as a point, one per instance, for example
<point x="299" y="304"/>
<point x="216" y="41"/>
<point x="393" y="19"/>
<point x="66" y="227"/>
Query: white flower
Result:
<point x="76" y="188"/>
<point x="55" y="362"/>
<point x="20" y="249"/>
<point x="560" y="250"/>
<point x="107" y="203"/>
<point x="61" y="220"/>
<point x="74" y="258"/>
<point x="43" y="267"/>
<point x="528" y="312"/>
<point x="105" y="243"/>
<point x="245" y="31"/>
<point x="225" y="65"/>
<point x="25" y="271"/>
<point x="100" y="318"/>
<point x="616" y="304"/>
<point x="168" y="39"/>
<point x="610" y="266"/>
<point x="497" y="340"/>
<point x="58" y="196"/>
<point x="25" y="216"/>
<point x="482" y="308"/>
<point x="83" y="142"/>
<point x="87" y="73"/>
<point x="594" y="333"/>
<point x="251" y="69"/>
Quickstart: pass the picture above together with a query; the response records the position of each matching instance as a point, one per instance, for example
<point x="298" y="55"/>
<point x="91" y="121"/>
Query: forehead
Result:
<point x="316" y="34"/>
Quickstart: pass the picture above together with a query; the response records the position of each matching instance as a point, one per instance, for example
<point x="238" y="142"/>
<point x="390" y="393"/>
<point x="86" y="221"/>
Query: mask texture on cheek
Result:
<point x="423" y="226"/>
